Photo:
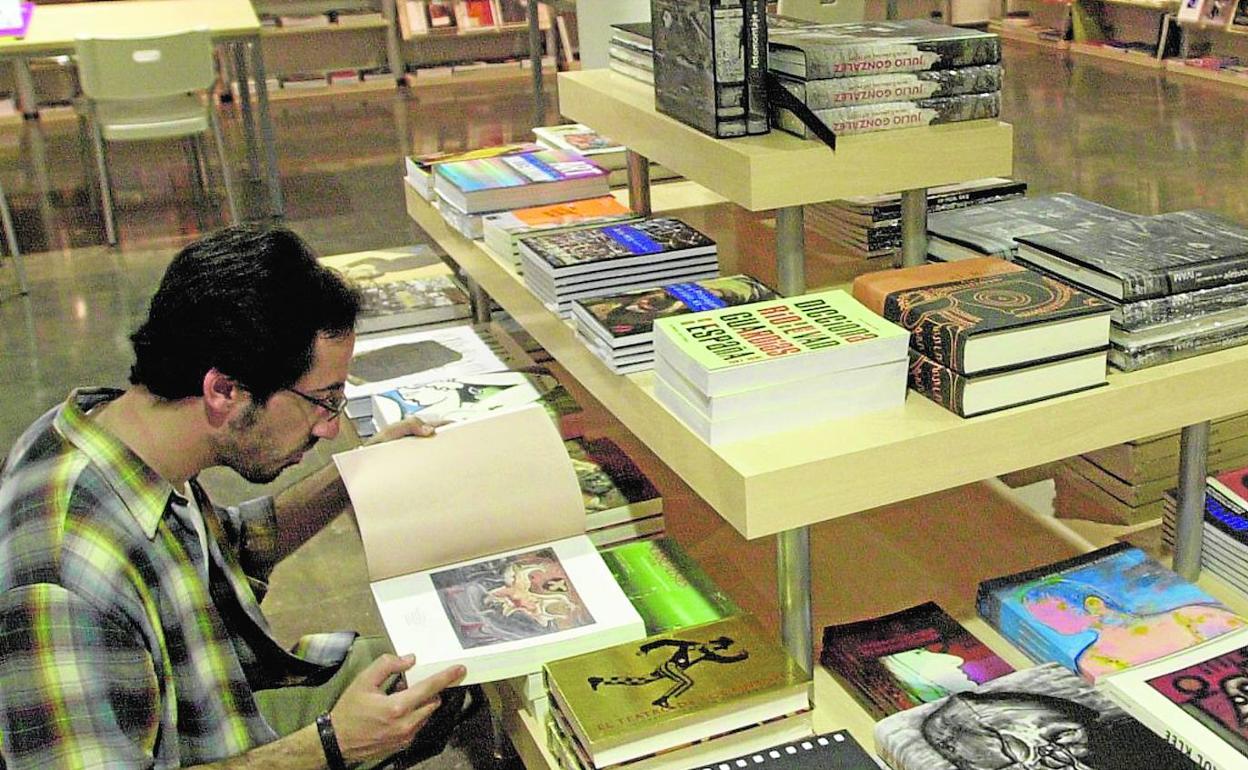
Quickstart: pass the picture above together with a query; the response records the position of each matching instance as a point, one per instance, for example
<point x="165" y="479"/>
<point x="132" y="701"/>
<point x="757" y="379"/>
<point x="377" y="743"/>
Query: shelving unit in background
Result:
<point x="1046" y="23"/>
<point x="1207" y="45"/>
<point x="370" y="43"/>
<point x="1133" y="31"/>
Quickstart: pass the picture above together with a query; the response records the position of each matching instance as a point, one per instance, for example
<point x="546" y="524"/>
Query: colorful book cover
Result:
<point x="1042" y="717"/>
<point x="897" y="661"/>
<point x="516" y="170"/>
<point x="428" y="160"/>
<point x="816" y="51"/>
<point x="604" y="244"/>
<point x="1233" y="484"/>
<point x="666" y="586"/>
<point x="589" y="211"/>
<point x="1214" y="692"/>
<point x="612" y="486"/>
<point x="1103" y="612"/>
<point x="895" y="87"/>
<point x="887" y="116"/>
<point x="633" y="313"/>
<point x="577" y="138"/>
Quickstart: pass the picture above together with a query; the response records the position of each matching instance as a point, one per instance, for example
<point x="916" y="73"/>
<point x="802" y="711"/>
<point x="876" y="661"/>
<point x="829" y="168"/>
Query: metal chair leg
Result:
<point x="106" y="195"/>
<point x="226" y="177"/>
<point x="10" y="237"/>
<point x="199" y="166"/>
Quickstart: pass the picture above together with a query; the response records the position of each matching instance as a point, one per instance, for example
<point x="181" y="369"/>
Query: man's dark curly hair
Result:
<point x="247" y="301"/>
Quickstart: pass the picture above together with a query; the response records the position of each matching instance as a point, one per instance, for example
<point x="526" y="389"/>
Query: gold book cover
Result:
<point x="703" y="674"/>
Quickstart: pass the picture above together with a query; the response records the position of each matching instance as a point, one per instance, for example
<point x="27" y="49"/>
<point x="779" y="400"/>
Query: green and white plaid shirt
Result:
<point x="114" y="650"/>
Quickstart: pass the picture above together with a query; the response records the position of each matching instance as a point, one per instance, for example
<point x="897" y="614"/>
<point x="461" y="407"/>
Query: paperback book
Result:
<point x="833" y="93"/>
<point x="581" y="139"/>
<point x="613" y="488"/>
<point x="817" y="51"/>
<point x="700" y="64"/>
<point x="406" y="286"/>
<point x="880" y="208"/>
<point x="887" y="116"/>
<point x="666" y="586"/>
<point x="1102" y="612"/>
<point x="419" y="168"/>
<point x="1042" y="717"/>
<point x="516" y="181"/>
<point x="898" y="661"/>
<point x="502" y="231"/>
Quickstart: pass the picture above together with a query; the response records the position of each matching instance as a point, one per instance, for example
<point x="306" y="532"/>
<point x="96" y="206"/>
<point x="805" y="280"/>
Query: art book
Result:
<point x="872" y="289"/>
<point x="503" y="230"/>
<point x="816" y="51"/>
<point x="896" y="87"/>
<point x="613" y="488"/>
<point x="648" y="242"/>
<point x="1042" y="717"/>
<point x="830" y="751"/>
<point x="766" y="343"/>
<point x="463" y="571"/>
<point x="404" y="286"/>
<point x="582" y="139"/>
<point x="888" y="116"/>
<point x="420" y="167"/>
<point x="898" y="661"/>
<point x="388" y="361"/>
<point x="518" y="180"/>
<point x="1103" y="612"/>
<point x="671" y="689"/>
<point x="666" y="586"/>
<point x="700" y="64"/>
<point x="1145" y="256"/>
<point x="1232" y="485"/>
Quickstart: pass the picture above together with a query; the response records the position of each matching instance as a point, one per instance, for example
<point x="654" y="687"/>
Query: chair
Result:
<point x="823" y="11"/>
<point x="10" y="239"/>
<point x="157" y="87"/>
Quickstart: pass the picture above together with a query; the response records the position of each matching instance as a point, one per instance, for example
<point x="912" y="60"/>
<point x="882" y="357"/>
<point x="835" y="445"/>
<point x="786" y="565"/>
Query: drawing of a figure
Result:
<point x="675" y="669"/>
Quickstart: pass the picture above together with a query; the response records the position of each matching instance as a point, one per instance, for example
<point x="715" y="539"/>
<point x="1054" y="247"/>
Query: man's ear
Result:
<point x="222" y="397"/>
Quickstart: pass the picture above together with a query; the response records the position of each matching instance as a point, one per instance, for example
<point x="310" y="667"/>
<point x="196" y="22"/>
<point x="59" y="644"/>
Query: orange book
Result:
<point x="871" y="289"/>
<point x="502" y="229"/>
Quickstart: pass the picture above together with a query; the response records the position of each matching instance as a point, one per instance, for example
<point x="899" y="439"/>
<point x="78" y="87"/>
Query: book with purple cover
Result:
<point x="18" y="29"/>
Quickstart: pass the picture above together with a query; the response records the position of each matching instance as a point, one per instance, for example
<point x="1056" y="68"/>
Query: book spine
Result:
<point x="1178" y="307"/>
<point x="902" y="87"/>
<point x="869" y="118"/>
<point x="889" y="56"/>
<point x="939" y="383"/>
<point x="1181" y="743"/>
<point x="1142" y="358"/>
<point x="757" y="121"/>
<point x="1209" y="275"/>
<point x="953" y="200"/>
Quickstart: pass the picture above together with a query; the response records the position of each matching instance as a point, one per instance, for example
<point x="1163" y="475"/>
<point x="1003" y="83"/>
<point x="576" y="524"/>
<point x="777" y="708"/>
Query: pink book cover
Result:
<point x="28" y="10"/>
<point x="1214" y="693"/>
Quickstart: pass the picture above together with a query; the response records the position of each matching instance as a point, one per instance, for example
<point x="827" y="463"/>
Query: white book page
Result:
<point x="457" y="351"/>
<point x="10" y="14"/>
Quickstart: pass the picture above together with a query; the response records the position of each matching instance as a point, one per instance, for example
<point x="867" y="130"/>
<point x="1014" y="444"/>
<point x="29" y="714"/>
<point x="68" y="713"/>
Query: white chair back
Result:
<point x="115" y="69"/>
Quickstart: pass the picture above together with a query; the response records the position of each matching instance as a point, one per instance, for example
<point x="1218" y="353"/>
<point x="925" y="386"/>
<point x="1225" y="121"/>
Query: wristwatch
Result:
<point x="329" y="743"/>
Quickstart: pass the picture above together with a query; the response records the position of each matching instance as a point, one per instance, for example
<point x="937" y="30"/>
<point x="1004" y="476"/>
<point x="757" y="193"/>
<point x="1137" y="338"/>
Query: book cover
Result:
<point x="830" y="751"/>
<point x="513" y="11"/>
<point x="1130" y="359"/>
<point x="545" y="176"/>
<point x="629" y="316"/>
<point x="1239" y="20"/>
<point x="993" y="228"/>
<point x="872" y="289"/>
<point x="1190" y="10"/>
<point x="613" y="488"/>
<point x="442" y="14"/>
<point x="1233" y="485"/>
<point x="1042" y="717"/>
<point x="600" y="246"/>
<point x="578" y="138"/>
<point x="895" y="87"/>
<point x="1103" y="612"/>
<point x="887" y="116"/>
<point x="502" y="230"/>
<point x="419" y="168"/>
<point x="666" y="586"/>
<point x="622" y="700"/>
<point x="917" y="655"/>
<point x="389" y="361"/>
<point x="817" y="51"/>
<point x="699" y="64"/>
<point x="1146" y="256"/>
<point x="400" y="287"/>
<point x="756" y="99"/>
<point x="947" y="321"/>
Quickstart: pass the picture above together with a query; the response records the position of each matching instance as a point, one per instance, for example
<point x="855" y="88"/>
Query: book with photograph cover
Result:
<point x="700" y="64"/>
<point x="405" y="286"/>
<point x="896" y="87"/>
<point x="887" y="207"/>
<point x="1188" y="305"/>
<point x="614" y="489"/>
<point x="442" y="14"/>
<point x="582" y="139"/>
<point x="900" y="660"/>
<point x="385" y="361"/>
<point x="602" y="248"/>
<point x="817" y="51"/>
<point x="518" y="180"/>
<point x="1042" y="717"/>
<point x="888" y="116"/>
<point x="502" y="231"/>
<point x="1145" y="257"/>
<point x="756" y="98"/>
<point x="1129" y="355"/>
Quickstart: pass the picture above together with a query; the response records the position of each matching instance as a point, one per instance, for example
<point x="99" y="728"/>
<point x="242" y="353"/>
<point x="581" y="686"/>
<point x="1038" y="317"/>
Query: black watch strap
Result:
<point x="329" y="743"/>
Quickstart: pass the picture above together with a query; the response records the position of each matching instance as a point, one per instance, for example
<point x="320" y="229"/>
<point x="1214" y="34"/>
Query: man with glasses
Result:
<point x="130" y="628"/>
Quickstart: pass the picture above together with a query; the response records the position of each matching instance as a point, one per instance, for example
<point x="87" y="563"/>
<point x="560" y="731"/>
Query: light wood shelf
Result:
<point x="1113" y="54"/>
<point x="1177" y="67"/>
<point x="778" y="169"/>
<point x="1024" y="35"/>
<point x="370" y="25"/>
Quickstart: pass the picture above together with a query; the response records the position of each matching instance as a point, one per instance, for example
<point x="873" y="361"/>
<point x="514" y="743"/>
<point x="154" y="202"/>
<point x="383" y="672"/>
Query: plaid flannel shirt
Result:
<point x="114" y="649"/>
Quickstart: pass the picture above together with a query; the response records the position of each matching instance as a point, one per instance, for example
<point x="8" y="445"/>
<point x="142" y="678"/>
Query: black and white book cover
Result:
<point x="1038" y="718"/>
<point x="887" y="116"/>
<point x="1190" y="305"/>
<point x="896" y="87"/>
<point x="993" y="228"/>
<point x="1147" y="256"/>
<point x="817" y="51"/>
<point x="579" y="248"/>
<point x="830" y="751"/>
<point x="1130" y="358"/>
<point x="700" y="65"/>
<point x="888" y="206"/>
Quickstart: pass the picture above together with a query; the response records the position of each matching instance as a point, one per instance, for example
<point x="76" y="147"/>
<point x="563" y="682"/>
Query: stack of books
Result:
<point x="989" y="335"/>
<point x="502" y="231"/>
<point x="621" y="505"/>
<point x="1102" y="612"/>
<point x="604" y="152"/>
<point x="419" y="168"/>
<point x="1179" y="281"/>
<point x="740" y="372"/>
<point x="990" y="230"/>
<point x="631" y="51"/>
<point x="869" y="227"/>
<point x="679" y="699"/>
<point x="882" y="75"/>
<point x="1224" y="541"/>
<point x="1038" y="717"/>
<point x="1126" y="483"/>
<point x="404" y="286"/>
<point x="597" y="261"/>
<point x="467" y="189"/>
<point x="619" y="328"/>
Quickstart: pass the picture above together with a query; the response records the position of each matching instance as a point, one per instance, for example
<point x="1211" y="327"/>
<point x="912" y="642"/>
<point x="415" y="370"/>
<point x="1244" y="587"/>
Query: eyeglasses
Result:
<point x="333" y="405"/>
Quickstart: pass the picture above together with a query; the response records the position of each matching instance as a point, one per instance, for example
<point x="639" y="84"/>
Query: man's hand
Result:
<point x="412" y="426"/>
<point x="373" y="724"/>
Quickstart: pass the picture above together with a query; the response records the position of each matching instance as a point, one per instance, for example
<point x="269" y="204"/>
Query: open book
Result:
<point x="476" y="548"/>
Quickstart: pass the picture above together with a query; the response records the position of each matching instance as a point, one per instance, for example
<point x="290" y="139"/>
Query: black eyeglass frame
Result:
<point x="331" y="404"/>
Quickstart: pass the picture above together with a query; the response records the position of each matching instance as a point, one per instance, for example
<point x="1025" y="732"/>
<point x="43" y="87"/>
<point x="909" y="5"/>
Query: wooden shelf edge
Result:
<point x="1112" y="54"/>
<point x="1179" y="68"/>
<point x="280" y="32"/>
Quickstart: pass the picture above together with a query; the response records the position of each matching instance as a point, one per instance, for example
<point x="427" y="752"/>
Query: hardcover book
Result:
<point x="517" y="181"/>
<point x="638" y="34"/>
<point x="579" y="138"/>
<point x="1146" y="256"/>
<point x="615" y="246"/>
<point x="886" y="116"/>
<point x="666" y="586"/>
<point x="998" y="321"/>
<point x="898" y="661"/>
<point x="972" y="395"/>
<point x="1103" y="611"/>
<point x="756" y="99"/>
<point x="878" y="208"/>
<point x="464" y="572"/>
<point x="387" y="361"/>
<point x="406" y="286"/>
<point x="896" y="87"/>
<point x="1042" y="717"/>
<point x="420" y="167"/>
<point x="1151" y="347"/>
<point x="503" y="231"/>
<point x="1189" y="305"/>
<point x="627" y="319"/>
<point x="993" y="229"/>
<point x="613" y="488"/>
<point x="627" y="701"/>
<point x="817" y="51"/>
<point x="766" y="343"/>
<point x="1232" y="485"/>
<point x="872" y="289"/>
<point x="700" y="65"/>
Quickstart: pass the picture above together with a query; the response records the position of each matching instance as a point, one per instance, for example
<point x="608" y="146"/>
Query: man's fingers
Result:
<point x="381" y="669"/>
<point x="417" y="693"/>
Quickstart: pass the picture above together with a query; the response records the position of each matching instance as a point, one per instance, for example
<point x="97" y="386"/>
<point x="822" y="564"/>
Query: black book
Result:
<point x="699" y="64"/>
<point x="830" y="751"/>
<point x="993" y="229"/>
<point x="817" y="51"/>
<point x="756" y="105"/>
<point x="1188" y="306"/>
<point x="896" y="87"/>
<point x="888" y="207"/>
<point x="648" y="242"/>
<point x="886" y="116"/>
<point x="1145" y="257"/>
